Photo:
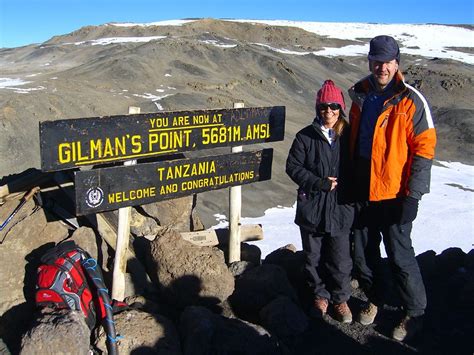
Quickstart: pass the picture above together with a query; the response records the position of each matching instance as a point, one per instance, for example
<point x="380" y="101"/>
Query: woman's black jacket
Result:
<point x="310" y="161"/>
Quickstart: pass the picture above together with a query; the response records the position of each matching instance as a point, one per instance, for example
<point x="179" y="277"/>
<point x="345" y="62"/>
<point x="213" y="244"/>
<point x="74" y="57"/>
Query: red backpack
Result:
<point x="70" y="278"/>
<point x="62" y="282"/>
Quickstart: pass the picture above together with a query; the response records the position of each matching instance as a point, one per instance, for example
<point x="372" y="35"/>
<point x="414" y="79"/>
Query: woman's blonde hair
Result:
<point x="340" y="124"/>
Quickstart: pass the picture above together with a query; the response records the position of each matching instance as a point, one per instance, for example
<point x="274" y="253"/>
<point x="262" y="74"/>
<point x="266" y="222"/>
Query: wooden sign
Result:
<point x="90" y="141"/>
<point x="115" y="187"/>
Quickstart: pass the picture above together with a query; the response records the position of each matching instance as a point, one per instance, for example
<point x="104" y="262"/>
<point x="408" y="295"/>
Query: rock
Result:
<point x="188" y="274"/>
<point x="470" y="261"/>
<point x="87" y="239"/>
<point x="237" y="268"/>
<point x="450" y="260"/>
<point x="142" y="333"/>
<point x="3" y="348"/>
<point x="283" y="318"/>
<point x="427" y="264"/>
<point x="57" y="332"/>
<point x="250" y="253"/>
<point x="143" y="226"/>
<point x="257" y="287"/>
<point x="204" y="332"/>
<point x="291" y="261"/>
<point x="176" y="213"/>
<point x="20" y="255"/>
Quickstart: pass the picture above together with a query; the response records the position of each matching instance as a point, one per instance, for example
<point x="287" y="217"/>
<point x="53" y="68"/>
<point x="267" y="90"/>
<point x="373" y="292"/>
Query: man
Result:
<point x="392" y="145"/>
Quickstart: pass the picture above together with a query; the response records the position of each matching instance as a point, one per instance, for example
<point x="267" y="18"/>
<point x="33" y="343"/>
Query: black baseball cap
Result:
<point x="384" y="49"/>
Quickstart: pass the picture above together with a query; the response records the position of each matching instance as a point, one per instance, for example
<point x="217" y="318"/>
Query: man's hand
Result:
<point x="409" y="210"/>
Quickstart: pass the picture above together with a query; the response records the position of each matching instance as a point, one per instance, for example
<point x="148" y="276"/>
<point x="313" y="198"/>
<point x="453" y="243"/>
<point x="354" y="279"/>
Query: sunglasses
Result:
<point x="332" y="106"/>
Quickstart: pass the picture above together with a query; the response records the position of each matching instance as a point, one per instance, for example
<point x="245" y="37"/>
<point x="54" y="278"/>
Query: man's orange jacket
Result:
<point x="404" y="141"/>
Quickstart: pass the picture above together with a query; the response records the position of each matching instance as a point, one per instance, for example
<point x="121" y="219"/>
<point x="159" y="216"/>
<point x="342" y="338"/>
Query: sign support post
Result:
<point x="235" y="207"/>
<point x="123" y="234"/>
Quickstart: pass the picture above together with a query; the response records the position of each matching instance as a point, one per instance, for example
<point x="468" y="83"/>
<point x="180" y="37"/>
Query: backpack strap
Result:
<point x="105" y="310"/>
<point x="58" y="251"/>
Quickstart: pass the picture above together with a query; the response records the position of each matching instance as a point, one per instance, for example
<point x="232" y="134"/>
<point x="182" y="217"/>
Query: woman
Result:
<point x="318" y="164"/>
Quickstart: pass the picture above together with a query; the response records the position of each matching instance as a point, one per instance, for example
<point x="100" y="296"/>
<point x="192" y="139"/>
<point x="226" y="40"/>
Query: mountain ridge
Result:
<point x="207" y="64"/>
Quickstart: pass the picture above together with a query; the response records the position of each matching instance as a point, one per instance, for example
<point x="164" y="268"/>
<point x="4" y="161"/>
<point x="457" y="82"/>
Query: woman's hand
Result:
<point x="333" y="182"/>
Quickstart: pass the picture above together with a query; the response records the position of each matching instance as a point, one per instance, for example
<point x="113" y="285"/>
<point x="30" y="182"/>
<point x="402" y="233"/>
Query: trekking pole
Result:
<point x="25" y="199"/>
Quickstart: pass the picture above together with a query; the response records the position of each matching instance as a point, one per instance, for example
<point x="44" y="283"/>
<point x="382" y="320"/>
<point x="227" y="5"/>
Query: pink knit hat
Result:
<point x="330" y="93"/>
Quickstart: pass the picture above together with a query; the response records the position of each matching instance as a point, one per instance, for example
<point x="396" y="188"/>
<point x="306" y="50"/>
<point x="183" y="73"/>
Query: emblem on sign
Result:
<point x="94" y="197"/>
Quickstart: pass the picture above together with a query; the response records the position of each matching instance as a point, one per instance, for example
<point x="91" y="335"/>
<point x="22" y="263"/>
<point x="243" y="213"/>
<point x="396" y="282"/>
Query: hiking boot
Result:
<point x="342" y="312"/>
<point x="320" y="307"/>
<point x="407" y="328"/>
<point x="368" y="313"/>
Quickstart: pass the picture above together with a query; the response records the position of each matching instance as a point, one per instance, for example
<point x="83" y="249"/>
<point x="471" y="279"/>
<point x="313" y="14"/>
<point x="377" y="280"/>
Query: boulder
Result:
<point x="284" y="319"/>
<point x="3" y="348"/>
<point x="143" y="226"/>
<point x="427" y="264"/>
<point x="257" y="287"/>
<point x="450" y="260"/>
<point x="203" y="332"/>
<point x="188" y="274"/>
<point x="142" y="333"/>
<point x="292" y="261"/>
<point x="237" y="268"/>
<point x="177" y="213"/>
<point x="20" y="254"/>
<point x="87" y="239"/>
<point x="57" y="332"/>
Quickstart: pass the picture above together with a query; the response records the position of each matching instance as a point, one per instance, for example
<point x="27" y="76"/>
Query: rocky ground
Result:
<point x="187" y="299"/>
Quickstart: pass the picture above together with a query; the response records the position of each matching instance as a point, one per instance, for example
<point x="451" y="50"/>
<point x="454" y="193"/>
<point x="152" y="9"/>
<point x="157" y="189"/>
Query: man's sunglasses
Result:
<point x="332" y="106"/>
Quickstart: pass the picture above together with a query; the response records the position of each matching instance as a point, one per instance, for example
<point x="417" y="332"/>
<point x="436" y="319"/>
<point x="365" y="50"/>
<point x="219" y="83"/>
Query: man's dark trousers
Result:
<point x="376" y="222"/>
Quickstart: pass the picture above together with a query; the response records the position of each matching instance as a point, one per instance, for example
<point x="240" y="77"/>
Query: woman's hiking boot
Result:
<point x="320" y="307"/>
<point x="342" y="312"/>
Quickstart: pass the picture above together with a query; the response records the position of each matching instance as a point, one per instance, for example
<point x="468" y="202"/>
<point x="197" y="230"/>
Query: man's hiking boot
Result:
<point x="407" y="328"/>
<point x="342" y="312"/>
<point x="320" y="307"/>
<point x="368" y="313"/>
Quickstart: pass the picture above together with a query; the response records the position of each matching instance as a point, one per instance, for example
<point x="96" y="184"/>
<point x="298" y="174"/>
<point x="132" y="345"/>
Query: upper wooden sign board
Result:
<point x="80" y="142"/>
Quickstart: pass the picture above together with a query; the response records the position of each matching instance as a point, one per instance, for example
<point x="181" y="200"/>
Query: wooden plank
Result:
<point x="123" y="238"/>
<point x="112" y="188"/>
<point x="100" y="140"/>
<point x="235" y="209"/>
<point x="248" y="233"/>
<point x="99" y="221"/>
<point x="213" y="237"/>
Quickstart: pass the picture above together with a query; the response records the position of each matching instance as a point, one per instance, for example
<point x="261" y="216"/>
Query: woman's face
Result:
<point x="329" y="113"/>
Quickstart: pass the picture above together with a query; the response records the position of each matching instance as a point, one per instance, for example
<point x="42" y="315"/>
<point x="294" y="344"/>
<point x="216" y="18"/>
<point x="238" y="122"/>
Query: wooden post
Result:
<point x="235" y="206"/>
<point x="123" y="234"/>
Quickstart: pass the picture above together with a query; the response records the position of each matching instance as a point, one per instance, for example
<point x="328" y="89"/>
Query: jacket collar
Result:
<point x="363" y="87"/>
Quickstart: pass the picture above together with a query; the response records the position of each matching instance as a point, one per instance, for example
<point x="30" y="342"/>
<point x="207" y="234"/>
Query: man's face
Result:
<point x="383" y="72"/>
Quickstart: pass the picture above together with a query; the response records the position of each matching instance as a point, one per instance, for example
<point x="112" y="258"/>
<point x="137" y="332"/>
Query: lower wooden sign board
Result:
<point x="111" y="188"/>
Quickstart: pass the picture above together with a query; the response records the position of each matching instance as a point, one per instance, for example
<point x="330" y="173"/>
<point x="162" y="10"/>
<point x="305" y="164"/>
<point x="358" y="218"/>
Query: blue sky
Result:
<point x="34" y="21"/>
